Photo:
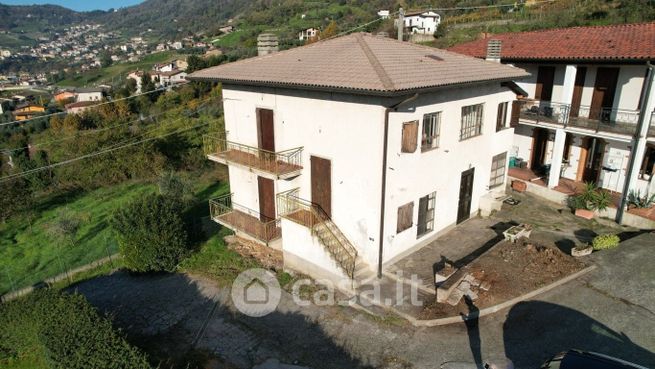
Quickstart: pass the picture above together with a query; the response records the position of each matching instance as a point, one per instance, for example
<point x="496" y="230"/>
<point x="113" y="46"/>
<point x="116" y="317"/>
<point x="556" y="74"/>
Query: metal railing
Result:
<point x="280" y="162"/>
<point x="544" y="111"/>
<point x="311" y="215"/>
<point x="244" y="219"/>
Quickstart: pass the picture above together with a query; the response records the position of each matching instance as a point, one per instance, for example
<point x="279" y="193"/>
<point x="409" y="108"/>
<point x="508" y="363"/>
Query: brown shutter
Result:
<point x="405" y="215"/>
<point x="410" y="136"/>
<point x="516" y="110"/>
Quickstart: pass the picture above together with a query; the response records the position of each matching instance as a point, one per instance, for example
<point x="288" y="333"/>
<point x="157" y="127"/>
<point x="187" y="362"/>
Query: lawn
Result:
<point x="29" y="253"/>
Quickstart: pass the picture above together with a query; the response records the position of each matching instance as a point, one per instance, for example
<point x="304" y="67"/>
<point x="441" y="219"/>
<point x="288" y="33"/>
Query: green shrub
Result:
<point x="606" y="241"/>
<point x="636" y="199"/>
<point x="151" y="234"/>
<point x="66" y="331"/>
<point x="591" y="198"/>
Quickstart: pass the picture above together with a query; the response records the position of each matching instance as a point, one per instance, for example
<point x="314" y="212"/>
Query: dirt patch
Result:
<point x="268" y="257"/>
<point x="507" y="271"/>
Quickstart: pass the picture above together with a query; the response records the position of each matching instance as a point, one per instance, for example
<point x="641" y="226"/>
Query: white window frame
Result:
<point x="472" y="121"/>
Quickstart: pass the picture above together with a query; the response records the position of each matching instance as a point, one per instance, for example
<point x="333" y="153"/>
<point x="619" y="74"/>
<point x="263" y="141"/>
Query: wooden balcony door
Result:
<point x="321" y="173"/>
<point x="545" y="79"/>
<point x="465" y="195"/>
<point x="604" y="90"/>
<point x="580" y="75"/>
<point x="265" y="130"/>
<point x="266" y="199"/>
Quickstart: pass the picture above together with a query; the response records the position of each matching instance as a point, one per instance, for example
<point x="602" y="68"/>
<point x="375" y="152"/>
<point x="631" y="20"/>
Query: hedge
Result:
<point x="65" y="330"/>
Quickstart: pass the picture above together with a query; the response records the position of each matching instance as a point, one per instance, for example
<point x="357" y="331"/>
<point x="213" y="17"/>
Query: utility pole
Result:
<point x="401" y="23"/>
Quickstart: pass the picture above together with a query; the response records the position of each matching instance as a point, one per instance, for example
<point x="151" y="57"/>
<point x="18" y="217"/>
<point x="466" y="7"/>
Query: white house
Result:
<point x="384" y="14"/>
<point x="422" y="22"/>
<point x="308" y="34"/>
<point x="88" y="94"/>
<point x="346" y="169"/>
<point x="586" y="95"/>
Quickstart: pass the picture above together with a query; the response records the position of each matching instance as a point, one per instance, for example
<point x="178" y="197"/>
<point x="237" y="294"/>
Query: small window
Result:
<point x="430" y="134"/>
<point x="501" y="119"/>
<point x="426" y="214"/>
<point x="648" y="165"/>
<point x="471" y="121"/>
<point x="498" y="164"/>
<point x="410" y="136"/>
<point x="405" y="217"/>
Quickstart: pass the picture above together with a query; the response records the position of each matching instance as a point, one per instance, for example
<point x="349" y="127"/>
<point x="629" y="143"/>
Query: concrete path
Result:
<point x="609" y="310"/>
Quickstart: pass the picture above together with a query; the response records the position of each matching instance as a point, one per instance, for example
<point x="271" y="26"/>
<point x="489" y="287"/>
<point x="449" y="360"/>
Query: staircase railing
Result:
<point x="311" y="215"/>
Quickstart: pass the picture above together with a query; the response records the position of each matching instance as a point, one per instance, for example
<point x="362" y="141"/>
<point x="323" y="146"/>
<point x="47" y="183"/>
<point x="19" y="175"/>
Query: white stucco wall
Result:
<point x="414" y="175"/>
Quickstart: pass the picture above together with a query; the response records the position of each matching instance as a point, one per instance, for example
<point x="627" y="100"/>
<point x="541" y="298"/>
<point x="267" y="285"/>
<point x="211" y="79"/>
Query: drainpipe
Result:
<point x="644" y="119"/>
<point x="383" y="196"/>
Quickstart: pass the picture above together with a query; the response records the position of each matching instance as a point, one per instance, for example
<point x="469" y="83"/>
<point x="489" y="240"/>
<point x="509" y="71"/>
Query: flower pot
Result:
<point x="581" y="252"/>
<point x="584" y="213"/>
<point x="519" y="186"/>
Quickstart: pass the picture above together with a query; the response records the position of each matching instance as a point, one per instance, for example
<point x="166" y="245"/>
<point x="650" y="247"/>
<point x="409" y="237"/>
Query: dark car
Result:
<point x="576" y="359"/>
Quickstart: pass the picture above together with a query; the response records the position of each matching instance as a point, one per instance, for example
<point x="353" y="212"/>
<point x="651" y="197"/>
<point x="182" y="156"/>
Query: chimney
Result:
<point x="267" y="44"/>
<point x="493" y="50"/>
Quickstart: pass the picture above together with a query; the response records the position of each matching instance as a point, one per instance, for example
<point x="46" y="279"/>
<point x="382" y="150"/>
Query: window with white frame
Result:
<point x="471" y="121"/>
<point x="426" y="214"/>
<point x="431" y="128"/>
<point x="498" y="164"/>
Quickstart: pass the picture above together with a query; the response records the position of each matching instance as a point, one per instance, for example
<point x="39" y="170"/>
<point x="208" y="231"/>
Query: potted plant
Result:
<point x="588" y="201"/>
<point x="582" y="250"/>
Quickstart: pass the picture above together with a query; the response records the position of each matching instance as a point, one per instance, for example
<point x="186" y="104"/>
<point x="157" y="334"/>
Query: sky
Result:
<point x="79" y="5"/>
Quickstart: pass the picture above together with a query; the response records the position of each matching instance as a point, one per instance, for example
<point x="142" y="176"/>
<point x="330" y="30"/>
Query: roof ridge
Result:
<point x="377" y="66"/>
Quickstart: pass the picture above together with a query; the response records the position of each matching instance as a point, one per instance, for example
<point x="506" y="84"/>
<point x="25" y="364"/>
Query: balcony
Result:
<point x="240" y="218"/>
<point x="274" y="165"/>
<point x="618" y="121"/>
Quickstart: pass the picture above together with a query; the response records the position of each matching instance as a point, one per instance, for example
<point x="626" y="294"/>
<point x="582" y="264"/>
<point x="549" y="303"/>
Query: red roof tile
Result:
<point x="629" y="42"/>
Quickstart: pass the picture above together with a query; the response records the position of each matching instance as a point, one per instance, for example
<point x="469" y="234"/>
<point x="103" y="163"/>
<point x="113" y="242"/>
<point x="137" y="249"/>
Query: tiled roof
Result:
<point x="627" y="42"/>
<point x="360" y="63"/>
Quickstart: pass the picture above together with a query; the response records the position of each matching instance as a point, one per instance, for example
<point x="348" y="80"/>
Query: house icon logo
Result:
<point x="256" y="292"/>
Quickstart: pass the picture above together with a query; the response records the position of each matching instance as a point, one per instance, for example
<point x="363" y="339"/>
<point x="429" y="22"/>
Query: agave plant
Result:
<point x="636" y="199"/>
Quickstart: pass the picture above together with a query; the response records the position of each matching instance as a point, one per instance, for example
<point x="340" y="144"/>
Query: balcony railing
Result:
<point x="281" y="164"/>
<point x="240" y="218"/>
<point x="304" y="212"/>
<point x="621" y="121"/>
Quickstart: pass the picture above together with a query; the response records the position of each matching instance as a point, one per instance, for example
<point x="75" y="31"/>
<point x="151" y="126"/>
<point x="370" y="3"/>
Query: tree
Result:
<point x="105" y="60"/>
<point x="175" y="187"/>
<point x="330" y="30"/>
<point x="16" y="196"/>
<point x="147" y="83"/>
<point x="151" y="234"/>
<point x="65" y="226"/>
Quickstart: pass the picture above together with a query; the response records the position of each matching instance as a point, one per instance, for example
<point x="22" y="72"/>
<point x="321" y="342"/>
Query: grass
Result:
<point x="116" y="71"/>
<point x="29" y="254"/>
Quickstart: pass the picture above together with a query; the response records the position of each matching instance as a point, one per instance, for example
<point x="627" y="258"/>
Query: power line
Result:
<point x="88" y="132"/>
<point x="487" y="6"/>
<point x="90" y="106"/>
<point x="104" y="151"/>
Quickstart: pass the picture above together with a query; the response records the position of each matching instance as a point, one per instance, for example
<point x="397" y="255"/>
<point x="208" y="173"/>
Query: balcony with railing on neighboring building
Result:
<point x="240" y="218"/>
<point x="611" y="120"/>
<point x="274" y="165"/>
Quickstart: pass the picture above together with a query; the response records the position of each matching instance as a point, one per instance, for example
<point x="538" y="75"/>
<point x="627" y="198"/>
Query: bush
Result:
<point x="151" y="234"/>
<point x="636" y="199"/>
<point x="591" y="198"/>
<point x="65" y="331"/>
<point x="606" y="241"/>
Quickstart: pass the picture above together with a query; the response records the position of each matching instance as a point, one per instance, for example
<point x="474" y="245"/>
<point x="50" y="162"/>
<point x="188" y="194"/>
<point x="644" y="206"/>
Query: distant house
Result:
<point x="89" y="94"/>
<point x="177" y="45"/>
<point x="384" y="14"/>
<point x="64" y="95"/>
<point x="171" y="78"/>
<point x="308" y="34"/>
<point x="28" y="111"/>
<point x="422" y="22"/>
<point x="79" y="107"/>
<point x="226" y="29"/>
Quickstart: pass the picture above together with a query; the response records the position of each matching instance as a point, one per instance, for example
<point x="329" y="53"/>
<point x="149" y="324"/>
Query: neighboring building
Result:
<point x="5" y="104"/>
<point x="79" y="107"/>
<point x="64" y="95"/>
<point x="177" y="45"/>
<point x="89" y="94"/>
<point x="308" y="34"/>
<point x="384" y="14"/>
<point x="172" y="78"/>
<point x="5" y="53"/>
<point x="425" y="23"/>
<point x="226" y="29"/>
<point x="28" y="111"/>
<point x="342" y="168"/>
<point x="579" y="121"/>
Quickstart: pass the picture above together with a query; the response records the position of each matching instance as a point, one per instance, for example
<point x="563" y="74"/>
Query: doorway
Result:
<point x="465" y="195"/>
<point x="602" y="99"/>
<point x="265" y="130"/>
<point x="266" y="189"/>
<point x="580" y="75"/>
<point x="539" y="143"/>
<point x="321" y="177"/>
<point x="545" y="79"/>
<point x="591" y="158"/>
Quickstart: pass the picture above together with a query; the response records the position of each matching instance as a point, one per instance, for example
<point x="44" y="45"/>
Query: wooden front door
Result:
<point x="604" y="90"/>
<point x="545" y="78"/>
<point x="465" y="195"/>
<point x="539" y="142"/>
<point x="322" y="183"/>
<point x="266" y="199"/>
<point x="594" y="149"/>
<point x="580" y="75"/>
<point x="265" y="130"/>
